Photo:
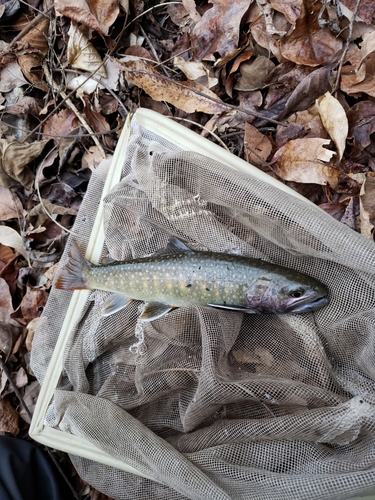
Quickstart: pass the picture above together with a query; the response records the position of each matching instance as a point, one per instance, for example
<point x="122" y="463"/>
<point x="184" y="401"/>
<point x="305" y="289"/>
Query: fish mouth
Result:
<point x="307" y="307"/>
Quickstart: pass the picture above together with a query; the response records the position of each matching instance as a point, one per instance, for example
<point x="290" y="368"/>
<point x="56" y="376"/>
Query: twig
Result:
<point x="28" y="27"/>
<point x="346" y="48"/>
<point x="29" y="414"/>
<point x="202" y="127"/>
<point x="72" y="106"/>
<point x="42" y="204"/>
<point x="155" y="54"/>
<point x="149" y="10"/>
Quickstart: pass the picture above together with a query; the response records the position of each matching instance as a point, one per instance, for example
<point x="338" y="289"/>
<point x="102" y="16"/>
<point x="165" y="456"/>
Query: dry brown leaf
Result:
<point x="10" y="238"/>
<point x="81" y="53"/>
<point x="15" y="158"/>
<point x="31" y="327"/>
<point x="6" y="306"/>
<point x="218" y="30"/>
<point x="197" y="71"/>
<point x="58" y="125"/>
<point x="184" y="95"/>
<point x="11" y="77"/>
<point x="367" y="205"/>
<point x="254" y="73"/>
<point x="361" y="118"/>
<point x="366" y="10"/>
<point x="302" y="160"/>
<point x="257" y="146"/>
<point x="290" y="8"/>
<point x="31" y="51"/>
<point x="308" y="43"/>
<point x="10" y="205"/>
<point x="311" y="122"/>
<point x="33" y="303"/>
<point x="334" y="119"/>
<point x="99" y="15"/>
<point x="8" y="417"/>
<point x="97" y="121"/>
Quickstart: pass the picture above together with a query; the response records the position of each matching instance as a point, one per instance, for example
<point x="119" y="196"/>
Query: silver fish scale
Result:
<point x="180" y="279"/>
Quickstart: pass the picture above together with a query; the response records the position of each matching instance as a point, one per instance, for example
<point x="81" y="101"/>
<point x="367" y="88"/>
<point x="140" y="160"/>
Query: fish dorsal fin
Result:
<point x="174" y="245"/>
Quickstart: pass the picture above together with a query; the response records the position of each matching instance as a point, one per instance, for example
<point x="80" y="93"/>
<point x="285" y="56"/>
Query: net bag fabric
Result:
<point x="215" y="404"/>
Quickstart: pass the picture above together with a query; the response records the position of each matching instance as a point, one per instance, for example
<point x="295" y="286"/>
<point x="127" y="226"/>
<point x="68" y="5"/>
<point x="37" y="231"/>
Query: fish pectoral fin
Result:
<point x="232" y="308"/>
<point x="154" y="310"/>
<point x="115" y="302"/>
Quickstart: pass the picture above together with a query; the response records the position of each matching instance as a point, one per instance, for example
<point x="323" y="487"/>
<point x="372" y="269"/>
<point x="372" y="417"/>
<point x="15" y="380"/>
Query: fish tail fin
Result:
<point x="72" y="276"/>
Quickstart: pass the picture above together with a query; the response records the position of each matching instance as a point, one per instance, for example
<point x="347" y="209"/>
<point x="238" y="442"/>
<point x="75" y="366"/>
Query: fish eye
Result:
<point x="296" y="294"/>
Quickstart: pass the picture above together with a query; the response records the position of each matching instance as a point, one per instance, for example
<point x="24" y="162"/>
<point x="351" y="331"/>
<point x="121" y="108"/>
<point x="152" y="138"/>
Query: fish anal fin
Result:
<point x="115" y="302"/>
<point x="174" y="246"/>
<point x="154" y="310"/>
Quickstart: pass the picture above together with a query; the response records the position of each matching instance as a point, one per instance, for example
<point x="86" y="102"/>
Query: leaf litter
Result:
<point x="286" y="85"/>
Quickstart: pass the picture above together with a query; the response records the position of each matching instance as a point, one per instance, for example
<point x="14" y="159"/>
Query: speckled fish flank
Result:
<point x="179" y="277"/>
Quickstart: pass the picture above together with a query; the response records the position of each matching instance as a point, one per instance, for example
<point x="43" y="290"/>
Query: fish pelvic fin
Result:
<point x="72" y="275"/>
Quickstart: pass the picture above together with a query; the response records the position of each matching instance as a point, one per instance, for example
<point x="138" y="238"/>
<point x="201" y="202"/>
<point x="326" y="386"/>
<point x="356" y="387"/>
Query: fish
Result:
<point x="178" y="276"/>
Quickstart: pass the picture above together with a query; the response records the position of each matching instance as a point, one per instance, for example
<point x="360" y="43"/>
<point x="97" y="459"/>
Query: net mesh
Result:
<point x="214" y="404"/>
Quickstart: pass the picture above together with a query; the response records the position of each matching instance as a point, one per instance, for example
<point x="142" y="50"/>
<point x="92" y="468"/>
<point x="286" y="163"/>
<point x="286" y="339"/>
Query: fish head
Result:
<point x="286" y="294"/>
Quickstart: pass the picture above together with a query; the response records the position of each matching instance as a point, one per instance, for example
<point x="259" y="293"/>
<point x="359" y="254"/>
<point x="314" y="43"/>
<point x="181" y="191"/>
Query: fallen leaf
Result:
<point x="58" y="125"/>
<point x="254" y="73"/>
<point x="218" y="30"/>
<point x="30" y="397"/>
<point x="24" y="106"/>
<point x="15" y="158"/>
<point x="81" y="53"/>
<point x="6" y="306"/>
<point x="197" y="71"/>
<point x="99" y="15"/>
<point x="308" y="90"/>
<point x="92" y="158"/>
<point x="366" y="10"/>
<point x="184" y="95"/>
<point x="10" y="238"/>
<point x="20" y="378"/>
<point x="8" y="335"/>
<point x="11" y="77"/>
<point x="10" y="205"/>
<point x="33" y="303"/>
<point x="334" y="120"/>
<point x="361" y="119"/>
<point x="308" y="43"/>
<point x="257" y="146"/>
<point x="367" y="205"/>
<point x="8" y="417"/>
<point x="31" y="50"/>
<point x="290" y="8"/>
<point x="96" y="120"/>
<point x="31" y="327"/>
<point x="335" y="210"/>
<point x="302" y="160"/>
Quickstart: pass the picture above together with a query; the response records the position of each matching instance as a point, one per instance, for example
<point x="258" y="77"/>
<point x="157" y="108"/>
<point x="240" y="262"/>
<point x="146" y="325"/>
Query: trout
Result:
<point x="179" y="276"/>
